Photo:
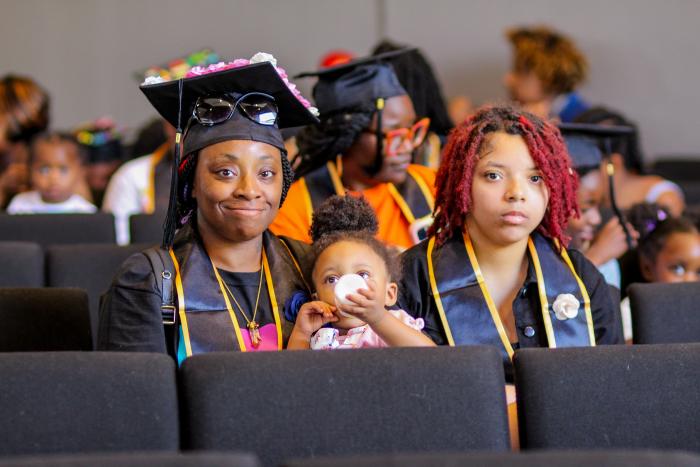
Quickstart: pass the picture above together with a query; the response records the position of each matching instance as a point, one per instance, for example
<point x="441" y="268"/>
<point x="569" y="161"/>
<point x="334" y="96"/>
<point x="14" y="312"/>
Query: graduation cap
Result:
<point x="231" y="82"/>
<point x="365" y="81"/>
<point x="583" y="149"/>
<point x="581" y="139"/>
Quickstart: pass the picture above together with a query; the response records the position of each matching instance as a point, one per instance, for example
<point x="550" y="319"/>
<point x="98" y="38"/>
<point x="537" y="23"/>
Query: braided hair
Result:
<point x="453" y="201"/>
<point x="187" y="205"/>
<point x="333" y="135"/>
<point x="349" y="218"/>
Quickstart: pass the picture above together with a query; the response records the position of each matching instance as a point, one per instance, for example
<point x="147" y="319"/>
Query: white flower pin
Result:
<point x="566" y="306"/>
<point x="263" y="57"/>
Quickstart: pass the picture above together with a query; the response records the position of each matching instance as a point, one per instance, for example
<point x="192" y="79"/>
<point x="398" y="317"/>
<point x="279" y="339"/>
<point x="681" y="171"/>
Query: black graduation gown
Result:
<point x="130" y="312"/>
<point x="415" y="296"/>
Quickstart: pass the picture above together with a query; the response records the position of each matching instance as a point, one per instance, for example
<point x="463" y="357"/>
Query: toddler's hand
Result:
<point x="367" y="305"/>
<point x="313" y="315"/>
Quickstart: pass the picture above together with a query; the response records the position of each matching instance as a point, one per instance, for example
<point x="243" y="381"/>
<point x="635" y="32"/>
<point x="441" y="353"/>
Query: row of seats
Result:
<point x="579" y="458"/>
<point x="90" y="267"/>
<point x="48" y="319"/>
<point x="365" y="402"/>
<point x="60" y="229"/>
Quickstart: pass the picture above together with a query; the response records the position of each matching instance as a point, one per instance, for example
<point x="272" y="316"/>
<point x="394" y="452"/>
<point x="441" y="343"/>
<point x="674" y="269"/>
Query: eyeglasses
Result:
<point x="396" y="139"/>
<point x="256" y="106"/>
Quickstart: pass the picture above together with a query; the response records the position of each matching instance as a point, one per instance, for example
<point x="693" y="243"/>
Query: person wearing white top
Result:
<point x="56" y="173"/>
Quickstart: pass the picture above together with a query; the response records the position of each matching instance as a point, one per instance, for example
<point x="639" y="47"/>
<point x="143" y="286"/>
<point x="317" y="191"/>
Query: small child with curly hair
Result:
<point x="668" y="251"/>
<point x="345" y="249"/>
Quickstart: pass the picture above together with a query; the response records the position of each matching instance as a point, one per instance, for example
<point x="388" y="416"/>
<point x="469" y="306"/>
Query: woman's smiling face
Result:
<point x="237" y="186"/>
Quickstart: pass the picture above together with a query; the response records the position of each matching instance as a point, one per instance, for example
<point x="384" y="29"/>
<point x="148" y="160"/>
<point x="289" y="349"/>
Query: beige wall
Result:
<point x="644" y="53"/>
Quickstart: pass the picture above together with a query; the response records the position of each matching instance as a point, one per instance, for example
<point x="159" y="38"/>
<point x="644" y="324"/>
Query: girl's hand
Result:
<point x="313" y="315"/>
<point x="367" y="305"/>
<point x="610" y="243"/>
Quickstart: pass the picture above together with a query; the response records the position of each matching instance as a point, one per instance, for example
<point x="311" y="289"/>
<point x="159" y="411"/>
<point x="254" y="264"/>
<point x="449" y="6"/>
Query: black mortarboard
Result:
<point x="356" y="83"/>
<point x="603" y="135"/>
<point x="363" y="82"/>
<point x="175" y="101"/>
<point x="583" y="150"/>
<point x="258" y="77"/>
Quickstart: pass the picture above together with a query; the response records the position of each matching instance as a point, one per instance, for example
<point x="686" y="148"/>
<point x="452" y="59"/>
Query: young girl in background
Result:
<point x="57" y="176"/>
<point x="343" y="232"/>
<point x="668" y="250"/>
<point x="495" y="269"/>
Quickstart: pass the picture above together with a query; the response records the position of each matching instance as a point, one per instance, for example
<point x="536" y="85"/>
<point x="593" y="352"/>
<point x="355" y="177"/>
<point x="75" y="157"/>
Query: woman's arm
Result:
<point x="130" y="311"/>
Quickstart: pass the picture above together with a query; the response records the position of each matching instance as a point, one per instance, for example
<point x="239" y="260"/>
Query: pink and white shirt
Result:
<point x="360" y="337"/>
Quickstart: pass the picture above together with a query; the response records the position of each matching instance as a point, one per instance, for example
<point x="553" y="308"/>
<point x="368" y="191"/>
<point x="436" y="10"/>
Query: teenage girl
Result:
<point x="495" y="268"/>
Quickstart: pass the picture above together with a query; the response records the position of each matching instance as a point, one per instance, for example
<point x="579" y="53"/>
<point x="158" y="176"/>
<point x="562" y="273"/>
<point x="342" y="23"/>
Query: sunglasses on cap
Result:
<point x="255" y="106"/>
<point x="396" y="139"/>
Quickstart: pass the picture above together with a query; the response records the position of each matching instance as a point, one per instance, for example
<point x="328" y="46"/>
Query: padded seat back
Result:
<point x="619" y="397"/>
<point x="44" y="319"/>
<point x="311" y="403"/>
<point x="83" y="402"/>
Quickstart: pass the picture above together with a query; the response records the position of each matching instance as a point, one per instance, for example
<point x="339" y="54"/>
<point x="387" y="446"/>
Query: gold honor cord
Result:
<point x="584" y="294"/>
<point x="436" y="293"/>
<point x="487" y="296"/>
<point x="398" y="199"/>
<point x="157" y="156"/>
<point x="544" y="303"/>
<point x="273" y="299"/>
<point x="335" y="178"/>
<point x="232" y="315"/>
<point x="181" y="304"/>
<point x="427" y="194"/>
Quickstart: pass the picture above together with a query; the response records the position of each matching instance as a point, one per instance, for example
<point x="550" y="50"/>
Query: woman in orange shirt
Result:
<point x="362" y="146"/>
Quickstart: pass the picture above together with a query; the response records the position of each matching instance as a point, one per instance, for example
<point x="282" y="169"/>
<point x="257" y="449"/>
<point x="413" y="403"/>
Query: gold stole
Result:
<point x="469" y="315"/>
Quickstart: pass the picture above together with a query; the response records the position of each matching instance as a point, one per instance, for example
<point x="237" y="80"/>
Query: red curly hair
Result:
<point x="547" y="149"/>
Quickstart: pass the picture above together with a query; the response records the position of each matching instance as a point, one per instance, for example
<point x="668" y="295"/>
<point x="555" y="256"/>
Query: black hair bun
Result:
<point x="343" y="214"/>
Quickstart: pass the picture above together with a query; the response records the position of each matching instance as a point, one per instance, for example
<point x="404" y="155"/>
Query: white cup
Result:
<point x="348" y="284"/>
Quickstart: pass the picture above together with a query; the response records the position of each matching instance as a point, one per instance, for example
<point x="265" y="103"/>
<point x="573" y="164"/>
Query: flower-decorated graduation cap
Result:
<point x="100" y="139"/>
<point x="589" y="145"/>
<point x="239" y="100"/>
<point x="367" y="81"/>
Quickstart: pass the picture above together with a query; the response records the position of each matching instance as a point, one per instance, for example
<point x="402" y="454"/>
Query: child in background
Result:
<point x="343" y="232"/>
<point x="668" y="250"/>
<point x="57" y="173"/>
<point x="100" y="140"/>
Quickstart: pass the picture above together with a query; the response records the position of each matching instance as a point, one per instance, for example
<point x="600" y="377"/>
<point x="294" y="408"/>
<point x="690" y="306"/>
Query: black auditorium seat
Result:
<point x="345" y="402"/>
<point x="665" y="313"/>
<point x="44" y="319"/>
<point x="135" y="459"/>
<point x="90" y="267"/>
<point x="87" y="402"/>
<point x="596" y="458"/>
<point x="146" y="228"/>
<point x="49" y="229"/>
<point x="21" y="264"/>
<point x="609" y="397"/>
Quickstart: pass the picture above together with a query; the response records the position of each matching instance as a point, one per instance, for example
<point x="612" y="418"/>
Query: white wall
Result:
<point x="643" y="53"/>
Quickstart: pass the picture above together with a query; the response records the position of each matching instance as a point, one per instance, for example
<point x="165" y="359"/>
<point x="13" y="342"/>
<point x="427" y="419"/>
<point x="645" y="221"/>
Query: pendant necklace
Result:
<point x="251" y="324"/>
